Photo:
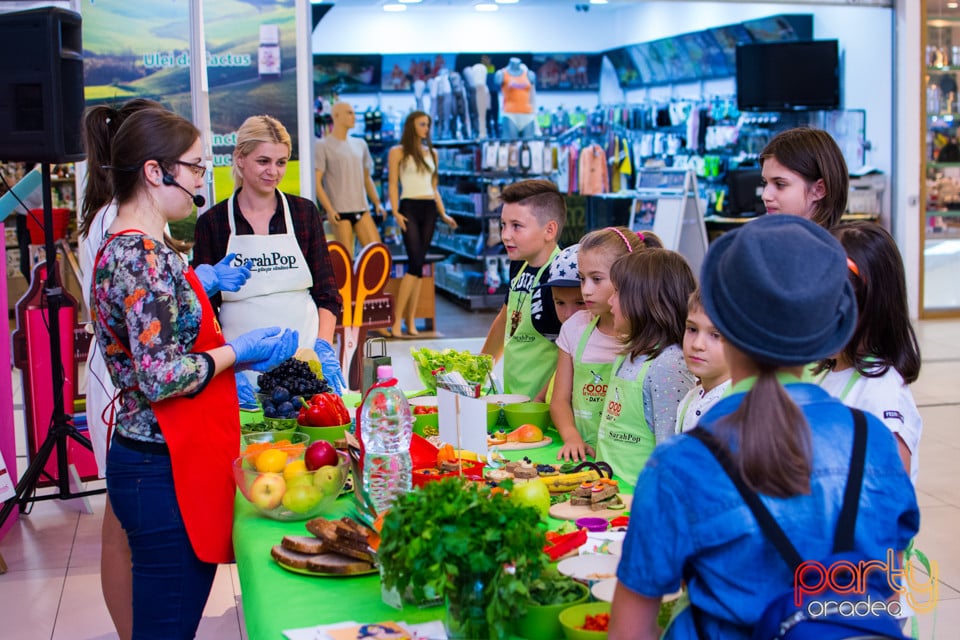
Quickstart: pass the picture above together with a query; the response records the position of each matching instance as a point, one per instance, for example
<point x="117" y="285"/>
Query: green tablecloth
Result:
<point x="275" y="599"/>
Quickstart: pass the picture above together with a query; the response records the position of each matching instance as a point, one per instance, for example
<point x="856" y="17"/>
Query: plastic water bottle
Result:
<point x="386" y="427"/>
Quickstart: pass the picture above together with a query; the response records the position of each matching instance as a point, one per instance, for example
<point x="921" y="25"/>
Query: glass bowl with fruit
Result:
<point x="282" y="484"/>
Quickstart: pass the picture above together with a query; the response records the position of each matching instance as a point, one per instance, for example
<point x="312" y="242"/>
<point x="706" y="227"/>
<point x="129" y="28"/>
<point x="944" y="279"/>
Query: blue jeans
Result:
<point x="170" y="584"/>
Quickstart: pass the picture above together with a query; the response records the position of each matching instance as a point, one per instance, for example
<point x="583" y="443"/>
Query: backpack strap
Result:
<point x="765" y="519"/>
<point x="844" y="532"/>
<point x="847" y="522"/>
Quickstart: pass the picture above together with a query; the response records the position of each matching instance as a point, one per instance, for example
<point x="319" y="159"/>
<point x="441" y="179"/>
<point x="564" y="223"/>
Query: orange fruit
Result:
<point x="271" y="460"/>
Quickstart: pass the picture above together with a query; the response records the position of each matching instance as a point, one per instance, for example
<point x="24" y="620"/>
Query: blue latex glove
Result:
<point x="330" y="365"/>
<point x="245" y="393"/>
<point x="263" y="349"/>
<point x="222" y="276"/>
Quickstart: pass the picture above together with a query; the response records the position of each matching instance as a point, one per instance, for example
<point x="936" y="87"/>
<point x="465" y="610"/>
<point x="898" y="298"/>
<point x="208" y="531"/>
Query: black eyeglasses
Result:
<point x="199" y="169"/>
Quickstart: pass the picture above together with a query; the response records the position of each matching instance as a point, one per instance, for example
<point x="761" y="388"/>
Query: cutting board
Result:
<point x="518" y="446"/>
<point x="566" y="511"/>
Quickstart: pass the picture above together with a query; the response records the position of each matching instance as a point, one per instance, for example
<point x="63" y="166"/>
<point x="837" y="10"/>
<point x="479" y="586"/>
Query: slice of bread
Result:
<point x="337" y="563"/>
<point x="291" y="558"/>
<point x="342" y="536"/>
<point x="304" y="544"/>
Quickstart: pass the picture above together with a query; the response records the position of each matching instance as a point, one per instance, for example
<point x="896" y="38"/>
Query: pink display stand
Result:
<point x="32" y="356"/>
<point x="8" y="442"/>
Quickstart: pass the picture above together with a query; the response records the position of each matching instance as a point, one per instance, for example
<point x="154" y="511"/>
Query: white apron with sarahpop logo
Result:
<point x="277" y="294"/>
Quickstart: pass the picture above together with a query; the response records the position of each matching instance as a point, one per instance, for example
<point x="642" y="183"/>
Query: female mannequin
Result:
<point x="413" y="168"/>
<point x="517" y="85"/>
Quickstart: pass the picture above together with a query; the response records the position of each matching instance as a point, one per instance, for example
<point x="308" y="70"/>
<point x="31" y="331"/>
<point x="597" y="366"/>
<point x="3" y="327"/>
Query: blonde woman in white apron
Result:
<point x="280" y="235"/>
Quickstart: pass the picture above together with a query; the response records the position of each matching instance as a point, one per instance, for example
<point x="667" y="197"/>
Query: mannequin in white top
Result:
<point x="518" y="87"/>
<point x="476" y="76"/>
<point x="342" y="166"/>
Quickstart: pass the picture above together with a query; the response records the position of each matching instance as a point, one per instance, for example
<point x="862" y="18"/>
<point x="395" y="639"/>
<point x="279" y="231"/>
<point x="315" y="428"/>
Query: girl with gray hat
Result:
<point x="788" y="441"/>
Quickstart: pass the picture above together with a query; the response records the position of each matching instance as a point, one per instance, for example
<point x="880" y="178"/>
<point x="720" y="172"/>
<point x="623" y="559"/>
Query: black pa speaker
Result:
<point x="41" y="85"/>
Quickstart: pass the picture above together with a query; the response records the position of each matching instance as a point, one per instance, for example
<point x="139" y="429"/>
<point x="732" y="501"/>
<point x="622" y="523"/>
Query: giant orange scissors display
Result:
<point x="358" y="280"/>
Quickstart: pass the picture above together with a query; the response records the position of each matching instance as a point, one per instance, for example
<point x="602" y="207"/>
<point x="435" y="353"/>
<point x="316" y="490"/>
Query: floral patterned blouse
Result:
<point x="141" y="293"/>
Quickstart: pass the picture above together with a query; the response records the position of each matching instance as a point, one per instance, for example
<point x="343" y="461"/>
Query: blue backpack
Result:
<point x="840" y="618"/>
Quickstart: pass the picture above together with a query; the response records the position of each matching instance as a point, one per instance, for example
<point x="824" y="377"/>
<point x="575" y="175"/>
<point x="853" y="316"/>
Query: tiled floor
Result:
<point x="52" y="588"/>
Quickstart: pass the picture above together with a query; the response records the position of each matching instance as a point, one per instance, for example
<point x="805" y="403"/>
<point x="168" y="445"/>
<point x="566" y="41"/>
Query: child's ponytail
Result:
<point x="773" y="446"/>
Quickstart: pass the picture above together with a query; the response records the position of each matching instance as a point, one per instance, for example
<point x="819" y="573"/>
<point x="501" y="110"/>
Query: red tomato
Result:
<point x="599" y="622"/>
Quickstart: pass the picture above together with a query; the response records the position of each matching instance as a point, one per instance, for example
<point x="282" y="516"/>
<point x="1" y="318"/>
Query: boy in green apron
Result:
<point x="531" y="220"/>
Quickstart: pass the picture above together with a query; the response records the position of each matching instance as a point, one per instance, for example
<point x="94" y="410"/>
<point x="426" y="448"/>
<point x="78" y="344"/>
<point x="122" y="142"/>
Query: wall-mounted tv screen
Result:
<point x="783" y="76"/>
<point x="627" y="71"/>
<point x="346" y="73"/>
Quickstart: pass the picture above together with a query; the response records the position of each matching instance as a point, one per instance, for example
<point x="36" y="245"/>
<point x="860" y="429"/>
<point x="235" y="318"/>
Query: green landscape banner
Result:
<point x="142" y="49"/>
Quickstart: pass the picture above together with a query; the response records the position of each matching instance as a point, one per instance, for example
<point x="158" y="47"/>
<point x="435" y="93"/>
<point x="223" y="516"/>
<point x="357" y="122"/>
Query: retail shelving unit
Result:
<point x="940" y="256"/>
<point x="476" y="271"/>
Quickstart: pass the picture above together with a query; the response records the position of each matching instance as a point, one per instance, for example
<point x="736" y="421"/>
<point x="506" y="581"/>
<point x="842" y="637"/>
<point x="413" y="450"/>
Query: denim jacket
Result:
<point x="689" y="513"/>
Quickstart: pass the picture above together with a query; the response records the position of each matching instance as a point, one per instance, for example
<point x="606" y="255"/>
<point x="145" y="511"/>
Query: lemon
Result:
<point x="272" y="461"/>
<point x="294" y="470"/>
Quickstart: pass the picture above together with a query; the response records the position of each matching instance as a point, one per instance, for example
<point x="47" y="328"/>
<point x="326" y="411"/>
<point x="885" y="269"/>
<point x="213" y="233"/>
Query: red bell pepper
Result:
<point x="324" y="410"/>
<point x="560" y="545"/>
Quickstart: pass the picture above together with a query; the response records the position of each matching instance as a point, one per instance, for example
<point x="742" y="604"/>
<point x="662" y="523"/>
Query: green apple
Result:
<point x="328" y="480"/>
<point x="532" y="493"/>
<point x="267" y="491"/>
<point x="301" y="498"/>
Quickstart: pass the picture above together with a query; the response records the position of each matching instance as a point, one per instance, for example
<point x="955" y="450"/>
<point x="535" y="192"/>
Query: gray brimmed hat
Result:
<point x="563" y="270"/>
<point x="778" y="290"/>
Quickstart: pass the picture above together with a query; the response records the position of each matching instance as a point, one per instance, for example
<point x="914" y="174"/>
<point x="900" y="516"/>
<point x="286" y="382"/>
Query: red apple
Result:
<point x="267" y="490"/>
<point x="320" y="454"/>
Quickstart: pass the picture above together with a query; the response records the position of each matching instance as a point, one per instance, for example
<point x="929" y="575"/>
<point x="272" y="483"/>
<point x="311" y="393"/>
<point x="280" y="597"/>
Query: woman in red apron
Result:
<point x="169" y="477"/>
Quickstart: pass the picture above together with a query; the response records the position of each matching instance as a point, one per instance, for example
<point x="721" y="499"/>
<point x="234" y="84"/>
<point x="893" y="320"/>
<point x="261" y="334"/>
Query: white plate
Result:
<point x="615" y="548"/>
<point x="505" y="398"/>
<point x="604" y="589"/>
<point x="423" y="401"/>
<point x="590" y="568"/>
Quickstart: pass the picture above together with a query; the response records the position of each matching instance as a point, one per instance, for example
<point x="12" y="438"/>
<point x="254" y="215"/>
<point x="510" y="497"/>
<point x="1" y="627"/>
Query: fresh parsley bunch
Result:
<point x="452" y="533"/>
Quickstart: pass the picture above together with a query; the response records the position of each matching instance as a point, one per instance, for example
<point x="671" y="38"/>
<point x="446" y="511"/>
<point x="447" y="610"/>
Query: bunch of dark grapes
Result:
<point x="284" y="386"/>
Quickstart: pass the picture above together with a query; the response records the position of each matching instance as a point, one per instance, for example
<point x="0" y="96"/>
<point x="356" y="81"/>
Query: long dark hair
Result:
<point x="100" y="124"/>
<point x="884" y="337"/>
<point x="146" y="134"/>
<point x="412" y="146"/>
<point x="653" y="285"/>
<point x="773" y="450"/>
<point x="814" y="155"/>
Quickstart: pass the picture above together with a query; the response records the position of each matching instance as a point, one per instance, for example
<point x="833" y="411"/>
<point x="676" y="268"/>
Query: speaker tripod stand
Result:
<point x="61" y="423"/>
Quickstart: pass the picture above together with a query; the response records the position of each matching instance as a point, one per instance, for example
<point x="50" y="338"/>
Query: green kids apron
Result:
<point x="529" y="359"/>
<point x="625" y="440"/>
<point x="590" y="382"/>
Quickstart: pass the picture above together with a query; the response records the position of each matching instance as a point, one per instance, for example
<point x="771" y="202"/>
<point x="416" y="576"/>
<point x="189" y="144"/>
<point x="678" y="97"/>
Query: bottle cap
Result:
<point x="384" y="372"/>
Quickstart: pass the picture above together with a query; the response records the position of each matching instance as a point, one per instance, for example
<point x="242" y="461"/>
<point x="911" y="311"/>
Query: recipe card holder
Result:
<point x="462" y="414"/>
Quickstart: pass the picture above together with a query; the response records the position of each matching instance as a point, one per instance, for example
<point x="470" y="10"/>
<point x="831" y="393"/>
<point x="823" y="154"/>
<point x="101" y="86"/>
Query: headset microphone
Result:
<point x="170" y="181"/>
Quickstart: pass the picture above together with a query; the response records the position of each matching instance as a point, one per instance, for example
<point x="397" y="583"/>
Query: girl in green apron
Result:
<point x="588" y="343"/>
<point x="649" y="306"/>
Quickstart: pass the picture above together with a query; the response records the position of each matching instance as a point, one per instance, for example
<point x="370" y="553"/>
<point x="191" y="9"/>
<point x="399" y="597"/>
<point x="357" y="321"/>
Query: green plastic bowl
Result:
<point x="330" y="434"/>
<point x="425" y="424"/>
<point x="493" y="417"/>
<point x="572" y="618"/>
<point x="542" y="621"/>
<point x="536" y="413"/>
